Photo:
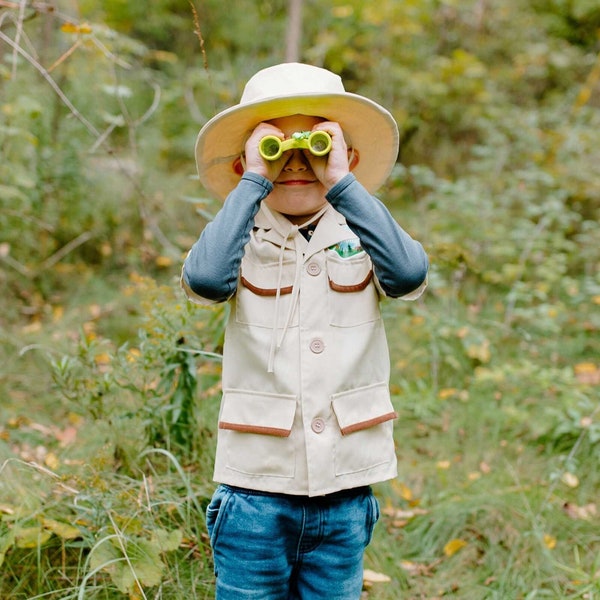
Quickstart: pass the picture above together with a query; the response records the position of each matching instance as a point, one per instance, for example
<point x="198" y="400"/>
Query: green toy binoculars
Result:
<point x="317" y="142"/>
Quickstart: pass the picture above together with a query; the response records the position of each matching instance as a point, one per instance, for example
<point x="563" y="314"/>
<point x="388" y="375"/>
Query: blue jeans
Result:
<point x="279" y="547"/>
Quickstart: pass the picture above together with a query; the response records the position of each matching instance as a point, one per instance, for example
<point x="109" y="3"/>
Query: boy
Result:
<point x="303" y="253"/>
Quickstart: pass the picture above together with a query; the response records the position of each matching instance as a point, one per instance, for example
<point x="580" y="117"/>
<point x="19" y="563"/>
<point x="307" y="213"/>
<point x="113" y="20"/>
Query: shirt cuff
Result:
<point x="260" y="180"/>
<point x="339" y="187"/>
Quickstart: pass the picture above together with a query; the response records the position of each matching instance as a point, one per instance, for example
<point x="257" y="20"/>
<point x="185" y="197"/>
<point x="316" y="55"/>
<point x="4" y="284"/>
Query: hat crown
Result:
<point x="291" y="79"/>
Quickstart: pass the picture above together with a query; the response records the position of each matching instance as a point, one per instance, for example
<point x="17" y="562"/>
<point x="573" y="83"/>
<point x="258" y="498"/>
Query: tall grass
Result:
<point x="109" y="380"/>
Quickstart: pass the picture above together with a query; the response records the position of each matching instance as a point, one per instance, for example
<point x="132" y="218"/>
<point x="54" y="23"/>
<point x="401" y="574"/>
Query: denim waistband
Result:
<point x="339" y="495"/>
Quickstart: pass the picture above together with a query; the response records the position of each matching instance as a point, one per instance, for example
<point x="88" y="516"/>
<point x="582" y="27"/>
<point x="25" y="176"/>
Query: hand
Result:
<point x="255" y="163"/>
<point x="332" y="167"/>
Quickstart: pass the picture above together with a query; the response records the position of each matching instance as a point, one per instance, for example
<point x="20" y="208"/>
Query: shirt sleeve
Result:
<point x="400" y="263"/>
<point x="210" y="270"/>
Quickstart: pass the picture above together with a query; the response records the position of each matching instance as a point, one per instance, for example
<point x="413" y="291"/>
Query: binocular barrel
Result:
<point x="317" y="142"/>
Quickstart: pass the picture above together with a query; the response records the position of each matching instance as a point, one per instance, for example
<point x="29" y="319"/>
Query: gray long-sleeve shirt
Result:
<point x="212" y="266"/>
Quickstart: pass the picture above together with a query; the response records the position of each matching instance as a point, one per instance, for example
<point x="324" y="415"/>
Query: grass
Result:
<point x="496" y="496"/>
<point x="107" y="417"/>
<point x="108" y="430"/>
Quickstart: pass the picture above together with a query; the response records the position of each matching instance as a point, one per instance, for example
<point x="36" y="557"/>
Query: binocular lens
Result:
<point x="317" y="142"/>
<point x="270" y="146"/>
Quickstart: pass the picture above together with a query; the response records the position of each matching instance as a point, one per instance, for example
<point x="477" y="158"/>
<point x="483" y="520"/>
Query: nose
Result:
<point x="296" y="162"/>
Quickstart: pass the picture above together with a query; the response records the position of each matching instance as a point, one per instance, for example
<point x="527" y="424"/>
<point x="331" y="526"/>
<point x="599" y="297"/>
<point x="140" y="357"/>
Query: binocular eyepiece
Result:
<point x="317" y="142"/>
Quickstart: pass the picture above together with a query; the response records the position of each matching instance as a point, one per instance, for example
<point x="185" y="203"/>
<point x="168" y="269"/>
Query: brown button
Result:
<point x="313" y="268"/>
<point x="317" y="346"/>
<point x="318" y="425"/>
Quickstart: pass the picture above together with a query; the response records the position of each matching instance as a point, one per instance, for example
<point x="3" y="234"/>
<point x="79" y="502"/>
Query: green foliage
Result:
<point x="110" y="381"/>
<point x="133" y="562"/>
<point x="113" y="535"/>
<point x="145" y="395"/>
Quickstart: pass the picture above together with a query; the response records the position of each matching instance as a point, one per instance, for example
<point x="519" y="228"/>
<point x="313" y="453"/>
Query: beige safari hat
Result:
<point x="289" y="89"/>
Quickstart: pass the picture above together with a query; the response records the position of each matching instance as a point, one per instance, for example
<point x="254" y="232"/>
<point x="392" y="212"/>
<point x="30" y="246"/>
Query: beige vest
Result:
<point x="306" y="406"/>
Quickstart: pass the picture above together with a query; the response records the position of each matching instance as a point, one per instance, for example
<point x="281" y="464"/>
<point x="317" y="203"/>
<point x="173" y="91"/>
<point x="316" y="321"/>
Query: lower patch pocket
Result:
<point x="256" y="430"/>
<point x="365" y="418"/>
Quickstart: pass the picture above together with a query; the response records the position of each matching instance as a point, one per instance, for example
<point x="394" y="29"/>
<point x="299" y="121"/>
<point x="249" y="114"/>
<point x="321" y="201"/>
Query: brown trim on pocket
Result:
<point x="357" y="287"/>
<point x="265" y="291"/>
<point x="369" y="423"/>
<point x="243" y="428"/>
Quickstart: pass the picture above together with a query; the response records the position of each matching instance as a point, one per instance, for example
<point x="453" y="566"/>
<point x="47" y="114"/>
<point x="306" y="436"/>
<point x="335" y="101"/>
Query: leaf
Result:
<point x="142" y="562"/>
<point x="102" y="359"/>
<point x="371" y="577"/>
<point x="479" y="351"/>
<point x="145" y="559"/>
<point x="453" y="546"/>
<point x="586" y="512"/>
<point x="69" y="27"/>
<point x="570" y="479"/>
<point x="403" y="490"/>
<point x="51" y="461"/>
<point x="398" y="513"/>
<point x="418" y="569"/>
<point x="6" y="541"/>
<point x="31" y="537"/>
<point x="167" y="540"/>
<point x="163" y="261"/>
<point x="62" y="530"/>
<point x="587" y="373"/>
<point x="549" y="541"/>
<point x="7" y="509"/>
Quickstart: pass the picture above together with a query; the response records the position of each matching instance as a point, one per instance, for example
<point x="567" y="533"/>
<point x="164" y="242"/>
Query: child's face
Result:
<point x="297" y="192"/>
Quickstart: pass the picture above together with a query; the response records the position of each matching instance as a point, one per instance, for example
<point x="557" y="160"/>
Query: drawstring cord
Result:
<point x="292" y="233"/>
<point x="270" y="365"/>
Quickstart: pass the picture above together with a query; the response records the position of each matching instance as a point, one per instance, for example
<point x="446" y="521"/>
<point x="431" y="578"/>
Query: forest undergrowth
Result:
<point x="110" y="379"/>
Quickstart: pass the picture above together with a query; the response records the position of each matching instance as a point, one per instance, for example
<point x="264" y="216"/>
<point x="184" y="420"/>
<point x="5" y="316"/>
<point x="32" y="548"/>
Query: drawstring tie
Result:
<point x="291" y="235"/>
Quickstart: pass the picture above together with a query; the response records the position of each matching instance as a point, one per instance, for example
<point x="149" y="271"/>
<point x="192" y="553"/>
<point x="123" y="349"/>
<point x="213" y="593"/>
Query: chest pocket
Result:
<point x="257" y="293"/>
<point x="352" y="296"/>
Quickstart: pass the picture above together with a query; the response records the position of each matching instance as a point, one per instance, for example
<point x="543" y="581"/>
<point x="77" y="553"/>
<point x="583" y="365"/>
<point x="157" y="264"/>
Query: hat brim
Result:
<point x="371" y="128"/>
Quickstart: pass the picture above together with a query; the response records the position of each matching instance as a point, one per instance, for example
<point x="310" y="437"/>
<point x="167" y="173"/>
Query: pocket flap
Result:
<point x="251" y="412"/>
<point x="262" y="279"/>
<point x="363" y="408"/>
<point x="350" y="274"/>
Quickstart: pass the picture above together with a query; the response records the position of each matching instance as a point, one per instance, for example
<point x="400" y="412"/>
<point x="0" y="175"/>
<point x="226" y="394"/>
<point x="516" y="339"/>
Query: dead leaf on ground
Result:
<point x="549" y="541"/>
<point x="585" y="512"/>
<point x="403" y="490"/>
<point x="370" y="577"/>
<point x="419" y="569"/>
<point x="587" y="373"/>
<point x="570" y="479"/>
<point x="453" y="546"/>
<point x="401" y="517"/>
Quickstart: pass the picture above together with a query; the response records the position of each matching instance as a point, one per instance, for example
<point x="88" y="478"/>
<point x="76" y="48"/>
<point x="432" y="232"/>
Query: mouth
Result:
<point x="296" y="182"/>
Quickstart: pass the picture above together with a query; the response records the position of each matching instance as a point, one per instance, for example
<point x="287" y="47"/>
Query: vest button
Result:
<point x="313" y="268"/>
<point x="318" y="425"/>
<point x="317" y="345"/>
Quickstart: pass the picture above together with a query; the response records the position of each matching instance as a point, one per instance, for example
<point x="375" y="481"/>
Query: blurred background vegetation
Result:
<point x="109" y="379"/>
